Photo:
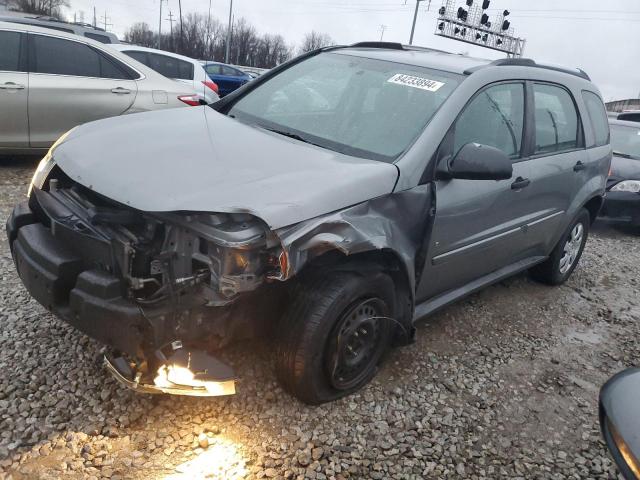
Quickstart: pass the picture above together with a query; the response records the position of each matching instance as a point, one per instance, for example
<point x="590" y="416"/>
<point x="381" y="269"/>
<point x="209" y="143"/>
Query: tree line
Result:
<point x="201" y="39"/>
<point x="196" y="37"/>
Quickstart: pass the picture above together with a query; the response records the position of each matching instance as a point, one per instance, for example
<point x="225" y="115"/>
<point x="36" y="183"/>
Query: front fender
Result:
<point x="396" y="222"/>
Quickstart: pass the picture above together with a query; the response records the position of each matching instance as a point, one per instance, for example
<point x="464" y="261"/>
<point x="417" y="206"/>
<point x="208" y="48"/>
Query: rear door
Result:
<point x="478" y="223"/>
<point x="14" y="88"/>
<point x="555" y="158"/>
<point x="71" y="83"/>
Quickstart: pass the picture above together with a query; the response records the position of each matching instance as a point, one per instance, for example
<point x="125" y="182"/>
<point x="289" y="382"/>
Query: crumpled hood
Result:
<point x="196" y="159"/>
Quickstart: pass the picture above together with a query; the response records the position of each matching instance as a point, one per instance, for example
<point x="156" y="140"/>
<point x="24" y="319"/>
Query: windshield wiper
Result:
<point x="293" y="135"/>
<point x="621" y="154"/>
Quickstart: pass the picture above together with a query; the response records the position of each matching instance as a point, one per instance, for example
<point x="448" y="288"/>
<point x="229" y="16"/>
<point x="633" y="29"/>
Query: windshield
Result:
<point x="358" y="106"/>
<point x="626" y="140"/>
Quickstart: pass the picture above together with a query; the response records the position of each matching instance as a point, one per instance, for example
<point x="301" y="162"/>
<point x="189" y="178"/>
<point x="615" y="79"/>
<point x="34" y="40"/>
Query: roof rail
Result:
<point x="388" y="45"/>
<point x="528" y="62"/>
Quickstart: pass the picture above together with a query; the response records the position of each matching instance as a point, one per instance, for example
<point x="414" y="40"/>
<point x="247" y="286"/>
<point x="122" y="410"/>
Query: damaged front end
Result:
<point x="160" y="288"/>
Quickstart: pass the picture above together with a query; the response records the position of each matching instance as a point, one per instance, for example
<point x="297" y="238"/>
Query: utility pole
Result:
<point x="415" y="18"/>
<point x="382" y="29"/>
<point x="105" y="18"/>
<point x="208" y="41"/>
<point x="171" y="20"/>
<point x="227" y="51"/>
<point x="181" y="38"/>
<point x="95" y="22"/>
<point x="160" y="27"/>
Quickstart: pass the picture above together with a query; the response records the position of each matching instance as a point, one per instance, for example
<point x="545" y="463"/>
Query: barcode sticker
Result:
<point x="416" y="82"/>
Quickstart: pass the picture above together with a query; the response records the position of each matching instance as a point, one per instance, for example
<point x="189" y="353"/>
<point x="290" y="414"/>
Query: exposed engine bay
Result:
<point x="161" y="288"/>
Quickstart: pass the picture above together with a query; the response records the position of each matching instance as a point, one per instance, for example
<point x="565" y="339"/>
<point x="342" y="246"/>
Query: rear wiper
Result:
<point x="621" y="154"/>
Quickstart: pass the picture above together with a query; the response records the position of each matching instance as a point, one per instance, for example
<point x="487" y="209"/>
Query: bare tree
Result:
<point x="314" y="40"/>
<point x="247" y="46"/>
<point x="52" y="8"/>
<point x="140" y="34"/>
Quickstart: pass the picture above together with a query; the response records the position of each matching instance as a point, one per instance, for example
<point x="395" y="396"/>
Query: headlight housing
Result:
<point x="632" y="186"/>
<point x="42" y="172"/>
<point x="46" y="165"/>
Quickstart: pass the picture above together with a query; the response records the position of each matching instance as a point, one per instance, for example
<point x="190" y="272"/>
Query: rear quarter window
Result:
<point x="597" y="117"/>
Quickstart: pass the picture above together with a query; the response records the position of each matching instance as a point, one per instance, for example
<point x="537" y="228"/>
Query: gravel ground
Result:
<point x="502" y="384"/>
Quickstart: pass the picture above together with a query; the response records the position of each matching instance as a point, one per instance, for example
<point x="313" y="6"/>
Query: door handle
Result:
<point x="520" y="183"/>
<point x="12" y="86"/>
<point x="120" y="90"/>
<point x="579" y="166"/>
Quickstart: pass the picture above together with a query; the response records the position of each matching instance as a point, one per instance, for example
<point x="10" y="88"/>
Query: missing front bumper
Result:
<point x="182" y="372"/>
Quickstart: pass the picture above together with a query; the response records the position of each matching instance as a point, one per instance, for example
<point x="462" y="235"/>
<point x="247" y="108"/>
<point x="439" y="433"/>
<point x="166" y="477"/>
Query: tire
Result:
<point x="554" y="270"/>
<point x="326" y="315"/>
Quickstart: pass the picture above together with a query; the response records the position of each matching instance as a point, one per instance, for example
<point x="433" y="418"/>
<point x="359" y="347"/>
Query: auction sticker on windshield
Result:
<point x="416" y="82"/>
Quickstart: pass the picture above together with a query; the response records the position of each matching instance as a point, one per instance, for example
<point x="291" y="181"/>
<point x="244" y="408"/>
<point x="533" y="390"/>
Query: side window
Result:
<point x="64" y="57"/>
<point x="171" y="67"/>
<point x="10" y="51"/>
<point x="97" y="37"/>
<point x="213" y="69"/>
<point x="556" y="124"/>
<point x="229" y="72"/>
<point x="495" y="117"/>
<point x="139" y="56"/>
<point x="598" y="117"/>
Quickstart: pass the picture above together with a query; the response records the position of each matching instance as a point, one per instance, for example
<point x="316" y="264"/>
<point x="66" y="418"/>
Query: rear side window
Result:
<point x="230" y="72"/>
<point x="556" y="124"/>
<point x="10" y="51"/>
<point x="213" y="69"/>
<point x="97" y="37"/>
<point x="171" y="67"/>
<point x="495" y="117"/>
<point x="598" y="117"/>
<point x="139" y="56"/>
<point x="64" y="57"/>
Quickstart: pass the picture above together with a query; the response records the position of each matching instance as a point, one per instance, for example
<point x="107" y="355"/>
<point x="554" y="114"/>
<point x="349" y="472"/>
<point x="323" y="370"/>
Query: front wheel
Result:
<point x="334" y="334"/>
<point x="565" y="256"/>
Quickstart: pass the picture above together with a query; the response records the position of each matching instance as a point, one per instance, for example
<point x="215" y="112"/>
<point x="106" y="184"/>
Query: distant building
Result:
<point x="622" y="105"/>
<point x="3" y="6"/>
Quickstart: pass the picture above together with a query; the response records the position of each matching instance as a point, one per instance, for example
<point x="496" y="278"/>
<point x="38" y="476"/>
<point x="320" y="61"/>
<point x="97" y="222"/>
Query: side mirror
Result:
<point x="620" y="420"/>
<point x="480" y="162"/>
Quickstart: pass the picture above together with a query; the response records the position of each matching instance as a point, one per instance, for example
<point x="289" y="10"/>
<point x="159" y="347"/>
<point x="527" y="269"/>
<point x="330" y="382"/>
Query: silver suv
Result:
<point x="52" y="81"/>
<point x="325" y="207"/>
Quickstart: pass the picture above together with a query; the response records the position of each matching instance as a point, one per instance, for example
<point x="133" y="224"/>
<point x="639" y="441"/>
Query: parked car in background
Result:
<point x="622" y="203"/>
<point x="329" y="225"/>
<point x="620" y="420"/>
<point x="82" y="29"/>
<point x="67" y="80"/>
<point x="630" y="116"/>
<point x="227" y="78"/>
<point x="177" y="67"/>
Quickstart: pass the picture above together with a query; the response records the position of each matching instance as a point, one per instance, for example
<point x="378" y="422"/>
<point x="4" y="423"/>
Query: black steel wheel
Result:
<point x="334" y="334"/>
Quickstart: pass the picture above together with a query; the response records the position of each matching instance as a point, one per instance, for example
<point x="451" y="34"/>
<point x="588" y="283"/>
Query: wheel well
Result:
<point x="593" y="206"/>
<point x="385" y="260"/>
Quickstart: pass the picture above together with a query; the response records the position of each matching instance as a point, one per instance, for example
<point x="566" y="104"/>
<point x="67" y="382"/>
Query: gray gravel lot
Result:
<point x="502" y="384"/>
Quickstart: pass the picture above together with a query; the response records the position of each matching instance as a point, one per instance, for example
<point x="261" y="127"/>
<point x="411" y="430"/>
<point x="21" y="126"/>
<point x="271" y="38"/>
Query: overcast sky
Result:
<point x="601" y="37"/>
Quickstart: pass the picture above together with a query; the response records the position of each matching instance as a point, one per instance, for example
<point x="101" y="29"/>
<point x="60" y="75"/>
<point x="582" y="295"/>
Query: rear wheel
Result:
<point x="334" y="334"/>
<point x="565" y="256"/>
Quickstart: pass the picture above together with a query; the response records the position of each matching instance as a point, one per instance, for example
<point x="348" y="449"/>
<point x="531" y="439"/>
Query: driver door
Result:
<point x="478" y="223"/>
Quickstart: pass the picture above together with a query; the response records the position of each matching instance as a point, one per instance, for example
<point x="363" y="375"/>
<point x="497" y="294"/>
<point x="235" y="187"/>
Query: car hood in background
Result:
<point x="196" y="159"/>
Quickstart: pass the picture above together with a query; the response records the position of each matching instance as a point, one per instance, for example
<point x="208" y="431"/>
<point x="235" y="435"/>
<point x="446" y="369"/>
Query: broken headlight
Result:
<point x="45" y="166"/>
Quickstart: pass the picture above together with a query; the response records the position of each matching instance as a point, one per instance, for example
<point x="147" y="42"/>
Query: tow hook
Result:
<point x="180" y="371"/>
